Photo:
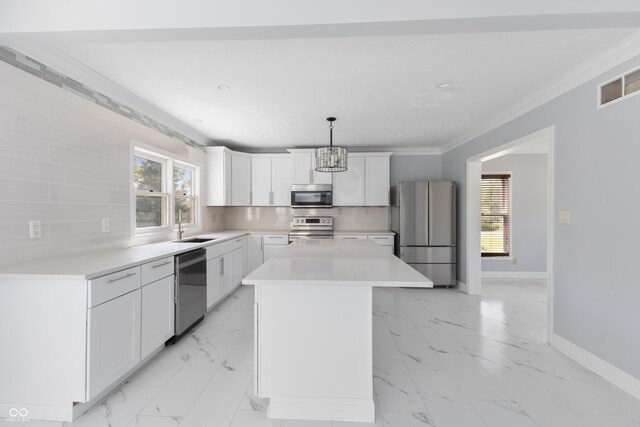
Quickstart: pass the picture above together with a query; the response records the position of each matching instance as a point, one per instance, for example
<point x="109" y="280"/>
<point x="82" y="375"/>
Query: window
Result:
<point x="495" y="221"/>
<point x="166" y="192"/>
<point x="183" y="189"/>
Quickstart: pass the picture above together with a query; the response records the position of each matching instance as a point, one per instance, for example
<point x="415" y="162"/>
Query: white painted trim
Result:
<point x="472" y="221"/>
<point x="322" y="408"/>
<point x="551" y="132"/>
<point x="626" y="49"/>
<point x="617" y="376"/>
<point x="472" y="224"/>
<point x="514" y="274"/>
<point x="463" y="287"/>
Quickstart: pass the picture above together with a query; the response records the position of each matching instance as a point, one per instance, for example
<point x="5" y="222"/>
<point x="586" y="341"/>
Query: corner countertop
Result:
<point x="336" y="262"/>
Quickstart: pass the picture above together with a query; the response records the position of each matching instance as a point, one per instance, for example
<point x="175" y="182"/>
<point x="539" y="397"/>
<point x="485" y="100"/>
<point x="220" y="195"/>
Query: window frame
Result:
<point x="499" y="256"/>
<point x="169" y="161"/>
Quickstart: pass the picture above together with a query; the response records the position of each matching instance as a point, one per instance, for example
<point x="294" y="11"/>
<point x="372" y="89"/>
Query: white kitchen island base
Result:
<point x="319" y="366"/>
<point x="313" y="327"/>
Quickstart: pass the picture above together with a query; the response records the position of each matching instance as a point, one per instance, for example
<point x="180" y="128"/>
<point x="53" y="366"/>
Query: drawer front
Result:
<point x="350" y="236"/>
<point x="276" y="239"/>
<point x="215" y="250"/>
<point x="423" y="254"/>
<point x="108" y="287"/>
<point x="439" y="274"/>
<point x="237" y="243"/>
<point x="156" y="270"/>
<point x="382" y="240"/>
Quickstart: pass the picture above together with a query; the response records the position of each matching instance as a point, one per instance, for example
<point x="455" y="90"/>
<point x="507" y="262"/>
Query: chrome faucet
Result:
<point x="180" y="230"/>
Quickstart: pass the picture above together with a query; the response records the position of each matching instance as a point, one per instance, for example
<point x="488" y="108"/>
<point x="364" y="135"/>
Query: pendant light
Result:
<point x="331" y="159"/>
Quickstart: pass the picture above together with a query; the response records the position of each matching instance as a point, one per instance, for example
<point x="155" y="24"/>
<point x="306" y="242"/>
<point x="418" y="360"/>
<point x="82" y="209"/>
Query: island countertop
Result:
<point x="336" y="262"/>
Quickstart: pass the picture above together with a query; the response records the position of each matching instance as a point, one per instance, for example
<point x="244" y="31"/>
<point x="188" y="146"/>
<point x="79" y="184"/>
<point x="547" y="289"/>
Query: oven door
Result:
<point x="311" y="199"/>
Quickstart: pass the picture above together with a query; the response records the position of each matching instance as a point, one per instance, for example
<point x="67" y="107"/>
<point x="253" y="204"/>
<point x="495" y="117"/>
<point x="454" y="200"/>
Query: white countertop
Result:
<point x="100" y="263"/>
<point x="336" y="262"/>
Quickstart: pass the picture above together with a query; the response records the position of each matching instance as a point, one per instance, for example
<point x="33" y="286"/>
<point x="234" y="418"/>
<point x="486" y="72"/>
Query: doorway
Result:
<point x="542" y="138"/>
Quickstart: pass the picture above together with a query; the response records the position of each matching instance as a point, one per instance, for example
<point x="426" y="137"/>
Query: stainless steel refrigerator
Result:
<point x="423" y="216"/>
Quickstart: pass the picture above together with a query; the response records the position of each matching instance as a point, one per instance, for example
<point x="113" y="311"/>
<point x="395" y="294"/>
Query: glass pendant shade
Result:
<point x="331" y="159"/>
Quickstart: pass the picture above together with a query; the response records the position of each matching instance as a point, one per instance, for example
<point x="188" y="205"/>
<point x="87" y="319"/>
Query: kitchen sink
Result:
<point x="194" y="240"/>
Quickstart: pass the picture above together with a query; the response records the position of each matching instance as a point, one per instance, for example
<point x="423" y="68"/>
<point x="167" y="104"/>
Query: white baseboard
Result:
<point x="617" y="376"/>
<point x="514" y="275"/>
<point x="463" y="287"/>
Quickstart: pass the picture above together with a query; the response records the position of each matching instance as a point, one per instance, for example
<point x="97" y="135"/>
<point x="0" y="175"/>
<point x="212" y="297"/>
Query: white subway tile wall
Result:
<point x="64" y="160"/>
<point x="344" y="218"/>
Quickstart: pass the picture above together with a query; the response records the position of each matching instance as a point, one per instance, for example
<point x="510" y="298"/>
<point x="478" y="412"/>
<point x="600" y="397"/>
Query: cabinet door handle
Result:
<point x="310" y="176"/>
<point x="120" y="278"/>
<point x="221" y="269"/>
<point x="160" y="265"/>
<point x="270" y="197"/>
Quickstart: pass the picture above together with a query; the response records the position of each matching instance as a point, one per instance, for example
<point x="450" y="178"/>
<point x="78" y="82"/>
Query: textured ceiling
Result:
<point x="382" y="89"/>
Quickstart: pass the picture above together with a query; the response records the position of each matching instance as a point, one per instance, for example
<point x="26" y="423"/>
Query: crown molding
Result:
<point x="624" y="50"/>
<point x="63" y="63"/>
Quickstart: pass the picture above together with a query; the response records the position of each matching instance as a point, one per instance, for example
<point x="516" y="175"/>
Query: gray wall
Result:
<point x="528" y="214"/>
<point x="415" y="168"/>
<point x="596" y="295"/>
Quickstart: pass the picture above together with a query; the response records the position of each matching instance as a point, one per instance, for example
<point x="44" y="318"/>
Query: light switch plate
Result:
<point x="106" y="226"/>
<point x="35" y="229"/>
<point x="564" y="217"/>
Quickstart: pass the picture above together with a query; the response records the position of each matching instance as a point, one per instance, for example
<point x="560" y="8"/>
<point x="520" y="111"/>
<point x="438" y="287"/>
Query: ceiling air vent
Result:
<point x="619" y="88"/>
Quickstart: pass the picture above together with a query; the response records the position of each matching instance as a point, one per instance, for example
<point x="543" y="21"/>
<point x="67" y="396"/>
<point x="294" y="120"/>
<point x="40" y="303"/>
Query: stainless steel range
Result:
<point x="311" y="227"/>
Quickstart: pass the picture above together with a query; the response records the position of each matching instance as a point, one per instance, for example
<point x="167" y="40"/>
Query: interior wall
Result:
<point x="528" y="212"/>
<point x="66" y="161"/>
<point x="595" y="177"/>
<point x="416" y="168"/>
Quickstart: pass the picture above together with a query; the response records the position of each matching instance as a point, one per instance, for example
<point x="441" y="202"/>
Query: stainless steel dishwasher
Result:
<point x="191" y="290"/>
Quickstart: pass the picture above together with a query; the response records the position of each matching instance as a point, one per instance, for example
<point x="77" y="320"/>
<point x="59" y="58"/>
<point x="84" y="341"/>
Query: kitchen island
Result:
<point x="313" y="327"/>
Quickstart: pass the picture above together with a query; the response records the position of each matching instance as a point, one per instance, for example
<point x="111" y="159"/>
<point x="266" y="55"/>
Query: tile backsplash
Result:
<point x="64" y="160"/>
<point x="344" y="218"/>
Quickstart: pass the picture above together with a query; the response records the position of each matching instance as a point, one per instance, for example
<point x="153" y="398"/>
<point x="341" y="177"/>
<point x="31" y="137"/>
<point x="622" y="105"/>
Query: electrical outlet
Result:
<point x="514" y="260"/>
<point x="339" y="211"/>
<point x="106" y="226"/>
<point x="35" y="229"/>
<point x="564" y="217"/>
<point x="213" y="217"/>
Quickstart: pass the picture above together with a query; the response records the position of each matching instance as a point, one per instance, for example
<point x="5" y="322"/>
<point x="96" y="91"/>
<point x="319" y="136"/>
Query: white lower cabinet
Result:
<point x="255" y="256"/>
<point x="213" y="277"/>
<point x="113" y="346"/>
<point x="157" y="315"/>
<point x="236" y="267"/>
<point x="225" y="272"/>
<point x="272" y="244"/>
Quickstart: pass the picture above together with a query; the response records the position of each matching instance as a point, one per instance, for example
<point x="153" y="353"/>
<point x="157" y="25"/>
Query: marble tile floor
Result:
<point x="441" y="358"/>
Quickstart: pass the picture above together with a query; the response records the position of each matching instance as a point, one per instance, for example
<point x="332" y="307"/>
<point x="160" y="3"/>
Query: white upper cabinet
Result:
<point x="228" y="177"/>
<point x="377" y="178"/>
<point x="240" y="179"/>
<point x="281" y="180"/>
<point x="261" y="181"/>
<point x="348" y="186"/>
<point x="218" y="176"/>
<point x="272" y="177"/>
<point x="304" y="168"/>
<point x="365" y="182"/>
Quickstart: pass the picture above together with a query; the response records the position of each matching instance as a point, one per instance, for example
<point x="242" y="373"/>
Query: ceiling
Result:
<point x="260" y="89"/>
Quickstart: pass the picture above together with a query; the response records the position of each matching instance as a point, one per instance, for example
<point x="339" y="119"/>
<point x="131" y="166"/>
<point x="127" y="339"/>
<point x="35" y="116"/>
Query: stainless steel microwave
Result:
<point x="311" y="196"/>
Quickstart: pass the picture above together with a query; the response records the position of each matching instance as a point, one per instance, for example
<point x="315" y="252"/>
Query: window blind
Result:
<point x="495" y="218"/>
